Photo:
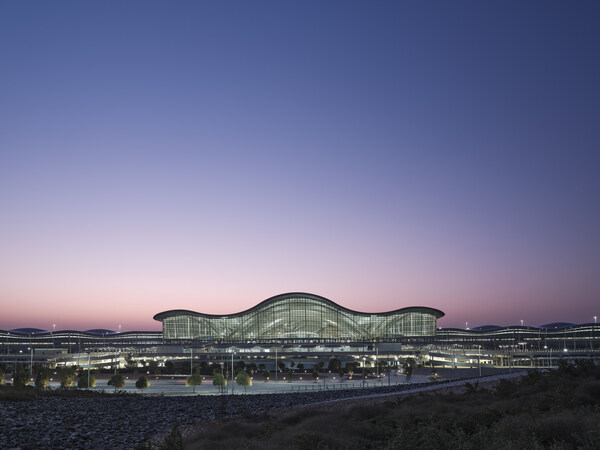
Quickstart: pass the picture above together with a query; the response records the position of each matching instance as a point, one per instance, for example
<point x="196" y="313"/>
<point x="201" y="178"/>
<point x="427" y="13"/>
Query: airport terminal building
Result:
<point x="299" y="316"/>
<point x="300" y="326"/>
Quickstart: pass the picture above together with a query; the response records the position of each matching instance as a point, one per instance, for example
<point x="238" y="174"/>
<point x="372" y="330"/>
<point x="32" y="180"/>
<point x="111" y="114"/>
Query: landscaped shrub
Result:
<point x="82" y="382"/>
<point x="20" y="377"/>
<point x="42" y="378"/>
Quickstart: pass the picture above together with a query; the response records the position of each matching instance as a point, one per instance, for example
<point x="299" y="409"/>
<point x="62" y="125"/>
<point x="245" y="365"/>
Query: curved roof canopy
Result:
<point x="486" y="328"/>
<point x="557" y="325"/>
<point x="282" y="297"/>
<point x="100" y="331"/>
<point x="29" y="331"/>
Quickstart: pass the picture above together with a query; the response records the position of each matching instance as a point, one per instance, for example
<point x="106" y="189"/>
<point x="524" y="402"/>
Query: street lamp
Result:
<point x="593" y="329"/>
<point x="363" y="371"/>
<point x="30" y="362"/>
<point x="377" y="361"/>
<point x="232" y="353"/>
<point x="479" y="361"/>
<point x="521" y="322"/>
<point x="466" y="325"/>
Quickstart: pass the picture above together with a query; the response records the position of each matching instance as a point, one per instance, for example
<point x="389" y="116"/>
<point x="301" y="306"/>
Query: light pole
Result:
<point x="377" y="361"/>
<point x="466" y="325"/>
<point x="191" y="361"/>
<point x="232" y="387"/>
<point x="275" y="364"/>
<point x="479" y="360"/>
<point x="89" y="369"/>
<point x="31" y="363"/>
<point x="389" y="373"/>
<point x="593" y="329"/>
<point x="363" y="371"/>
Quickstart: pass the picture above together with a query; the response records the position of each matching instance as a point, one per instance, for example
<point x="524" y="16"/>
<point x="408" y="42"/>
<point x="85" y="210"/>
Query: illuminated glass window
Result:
<point x="299" y="316"/>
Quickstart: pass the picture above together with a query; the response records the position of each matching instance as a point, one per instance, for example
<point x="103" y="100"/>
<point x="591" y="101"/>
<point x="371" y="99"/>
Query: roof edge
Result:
<point x="170" y="313"/>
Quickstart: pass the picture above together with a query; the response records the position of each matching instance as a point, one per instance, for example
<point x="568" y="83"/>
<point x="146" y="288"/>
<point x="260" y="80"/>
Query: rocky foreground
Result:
<point x="124" y="421"/>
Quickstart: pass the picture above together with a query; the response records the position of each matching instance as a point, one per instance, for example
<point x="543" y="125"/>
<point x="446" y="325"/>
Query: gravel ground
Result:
<point x="125" y="421"/>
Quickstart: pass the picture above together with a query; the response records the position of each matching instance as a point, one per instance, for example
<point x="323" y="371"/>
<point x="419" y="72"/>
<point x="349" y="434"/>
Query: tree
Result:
<point x="153" y="366"/>
<point x="118" y="381"/>
<point x="20" y="377"/>
<point x="243" y="379"/>
<point x="42" y="378"/>
<point x="300" y="366"/>
<point x="315" y="374"/>
<point x="194" y="380"/>
<point x="169" y="367"/>
<point x="266" y="374"/>
<point x="2" y="375"/>
<point x="83" y="380"/>
<point x="251" y="368"/>
<point x="142" y="383"/>
<point x="334" y="364"/>
<point x="350" y="368"/>
<point x="67" y="377"/>
<point x="219" y="381"/>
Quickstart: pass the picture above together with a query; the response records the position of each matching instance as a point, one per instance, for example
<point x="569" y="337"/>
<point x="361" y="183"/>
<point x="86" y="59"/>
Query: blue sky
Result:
<point x="208" y="155"/>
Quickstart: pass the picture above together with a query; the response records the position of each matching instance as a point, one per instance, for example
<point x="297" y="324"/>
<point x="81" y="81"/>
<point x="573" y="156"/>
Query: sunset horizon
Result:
<point x="208" y="156"/>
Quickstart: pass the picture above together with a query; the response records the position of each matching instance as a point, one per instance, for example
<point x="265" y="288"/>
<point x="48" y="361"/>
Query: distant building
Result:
<point x="299" y="316"/>
<point x="305" y="324"/>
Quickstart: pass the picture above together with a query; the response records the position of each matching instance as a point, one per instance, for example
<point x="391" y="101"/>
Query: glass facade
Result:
<point x="299" y="316"/>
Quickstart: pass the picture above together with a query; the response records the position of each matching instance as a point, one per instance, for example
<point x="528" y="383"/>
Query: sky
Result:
<point x="209" y="155"/>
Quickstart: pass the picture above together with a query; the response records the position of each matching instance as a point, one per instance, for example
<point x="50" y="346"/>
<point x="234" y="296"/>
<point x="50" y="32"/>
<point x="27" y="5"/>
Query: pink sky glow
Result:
<point x="207" y="156"/>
